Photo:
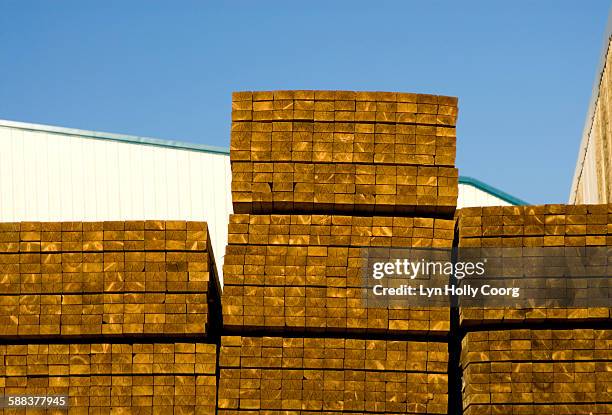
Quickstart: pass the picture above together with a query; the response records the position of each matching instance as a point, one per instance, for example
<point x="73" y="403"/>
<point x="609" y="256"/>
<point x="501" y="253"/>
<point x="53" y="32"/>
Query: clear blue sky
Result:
<point x="523" y="69"/>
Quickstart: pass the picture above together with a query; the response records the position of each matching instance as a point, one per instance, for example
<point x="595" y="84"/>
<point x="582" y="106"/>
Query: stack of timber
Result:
<point x="537" y="372"/>
<point x="343" y="151"/>
<point x="320" y="178"/>
<point x="115" y="316"/>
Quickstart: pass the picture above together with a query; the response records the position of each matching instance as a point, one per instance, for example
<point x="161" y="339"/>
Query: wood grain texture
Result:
<point x="332" y="376"/>
<point x="104" y="378"/>
<point x="343" y="151"/>
<point x="304" y="272"/>
<point x="106" y="279"/>
<point x="516" y="230"/>
<point x="537" y="371"/>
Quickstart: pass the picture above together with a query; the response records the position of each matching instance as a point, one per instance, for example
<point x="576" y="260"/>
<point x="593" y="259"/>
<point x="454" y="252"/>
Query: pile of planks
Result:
<point x="312" y="172"/>
<point x="536" y="226"/>
<point x="106" y="278"/>
<point x="343" y="151"/>
<point x="341" y="230"/>
<point x="561" y="365"/>
<point x="144" y="378"/>
<point x="105" y="282"/>
<point x="521" y="371"/>
<point x="332" y="375"/>
<point x="305" y="272"/>
<point x="531" y="236"/>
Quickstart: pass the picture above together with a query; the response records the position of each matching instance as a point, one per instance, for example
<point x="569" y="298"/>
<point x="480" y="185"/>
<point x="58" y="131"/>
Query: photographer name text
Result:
<point x="448" y="290"/>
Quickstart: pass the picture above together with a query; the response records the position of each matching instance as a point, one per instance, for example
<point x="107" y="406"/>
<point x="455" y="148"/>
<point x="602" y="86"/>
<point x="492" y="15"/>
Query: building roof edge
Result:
<point x="123" y="138"/>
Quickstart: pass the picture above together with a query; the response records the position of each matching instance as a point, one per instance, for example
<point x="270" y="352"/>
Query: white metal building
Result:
<point x="473" y="192"/>
<point x="60" y="174"/>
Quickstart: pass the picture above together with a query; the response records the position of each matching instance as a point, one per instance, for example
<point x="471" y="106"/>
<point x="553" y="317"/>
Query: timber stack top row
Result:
<point x="535" y="226"/>
<point x="343" y="151"/>
<point x="153" y="278"/>
<point x="542" y="247"/>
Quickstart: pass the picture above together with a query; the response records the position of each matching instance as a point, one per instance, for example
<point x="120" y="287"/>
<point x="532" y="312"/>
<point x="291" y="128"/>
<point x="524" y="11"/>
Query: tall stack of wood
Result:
<point x="561" y="364"/>
<point x="313" y="174"/>
<point x="110" y="314"/>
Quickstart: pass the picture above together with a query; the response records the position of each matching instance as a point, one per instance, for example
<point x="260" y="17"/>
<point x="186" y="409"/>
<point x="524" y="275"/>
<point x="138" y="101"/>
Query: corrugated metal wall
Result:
<point x="587" y="189"/>
<point x="593" y="174"/>
<point x="53" y="176"/>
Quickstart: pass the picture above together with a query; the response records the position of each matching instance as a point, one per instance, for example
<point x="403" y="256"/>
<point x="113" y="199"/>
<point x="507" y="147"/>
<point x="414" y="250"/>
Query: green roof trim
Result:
<point x="492" y="190"/>
<point x="122" y="138"/>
